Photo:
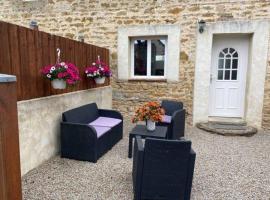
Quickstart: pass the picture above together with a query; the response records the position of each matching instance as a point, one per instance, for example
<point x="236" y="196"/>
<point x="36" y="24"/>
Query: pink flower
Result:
<point x="70" y="81"/>
<point x="64" y="70"/>
<point x="98" y="69"/>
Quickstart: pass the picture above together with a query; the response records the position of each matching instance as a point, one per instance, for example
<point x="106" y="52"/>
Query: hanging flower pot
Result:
<point x="150" y="125"/>
<point x="59" y="84"/>
<point x="61" y="73"/>
<point x="98" y="71"/>
<point x="100" y="80"/>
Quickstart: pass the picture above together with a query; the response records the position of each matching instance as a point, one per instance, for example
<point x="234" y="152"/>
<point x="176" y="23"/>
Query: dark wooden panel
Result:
<point x="39" y="63"/>
<point x="32" y="63"/>
<point x="10" y="175"/>
<point x="5" y="65"/>
<point x="45" y="61"/>
<point x="24" y="52"/>
<point x="24" y="63"/>
<point x="15" y="57"/>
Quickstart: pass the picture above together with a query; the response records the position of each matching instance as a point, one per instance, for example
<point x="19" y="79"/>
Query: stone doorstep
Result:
<point x="227" y="129"/>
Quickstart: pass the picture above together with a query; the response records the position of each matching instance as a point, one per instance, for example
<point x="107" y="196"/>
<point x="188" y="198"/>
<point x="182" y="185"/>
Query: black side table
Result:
<point x="160" y="132"/>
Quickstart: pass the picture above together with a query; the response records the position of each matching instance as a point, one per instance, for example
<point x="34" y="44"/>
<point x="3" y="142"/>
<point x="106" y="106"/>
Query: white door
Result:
<point x="228" y="75"/>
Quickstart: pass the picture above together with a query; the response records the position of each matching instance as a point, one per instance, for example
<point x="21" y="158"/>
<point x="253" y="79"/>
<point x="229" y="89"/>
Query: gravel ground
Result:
<point x="226" y="168"/>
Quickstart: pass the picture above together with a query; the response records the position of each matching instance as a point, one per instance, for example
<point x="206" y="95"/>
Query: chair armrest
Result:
<point x="178" y="123"/>
<point x="110" y="113"/>
<point x="137" y="167"/>
<point x="190" y="173"/>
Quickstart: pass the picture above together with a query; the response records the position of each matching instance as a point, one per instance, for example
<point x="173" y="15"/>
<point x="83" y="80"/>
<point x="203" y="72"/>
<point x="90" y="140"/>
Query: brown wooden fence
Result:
<point x="23" y="52"/>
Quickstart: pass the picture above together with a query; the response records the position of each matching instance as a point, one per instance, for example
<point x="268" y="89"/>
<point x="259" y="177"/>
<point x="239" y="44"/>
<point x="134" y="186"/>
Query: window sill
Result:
<point x="147" y="80"/>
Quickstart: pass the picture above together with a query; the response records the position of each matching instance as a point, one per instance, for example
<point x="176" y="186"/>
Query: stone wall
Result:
<point x="99" y="21"/>
<point x="39" y="122"/>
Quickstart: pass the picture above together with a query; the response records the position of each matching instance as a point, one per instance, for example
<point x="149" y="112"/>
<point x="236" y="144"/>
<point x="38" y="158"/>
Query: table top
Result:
<point x="159" y="132"/>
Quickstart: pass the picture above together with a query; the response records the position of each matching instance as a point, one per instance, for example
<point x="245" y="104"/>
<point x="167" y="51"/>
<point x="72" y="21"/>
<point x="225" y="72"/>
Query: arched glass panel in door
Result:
<point x="227" y="65"/>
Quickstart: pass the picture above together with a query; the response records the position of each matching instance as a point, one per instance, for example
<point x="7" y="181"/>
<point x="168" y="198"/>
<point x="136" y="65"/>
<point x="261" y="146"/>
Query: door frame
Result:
<point x="242" y="72"/>
<point x="259" y="32"/>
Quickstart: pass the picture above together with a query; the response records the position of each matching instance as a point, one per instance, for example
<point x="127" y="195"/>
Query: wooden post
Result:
<point x="10" y="174"/>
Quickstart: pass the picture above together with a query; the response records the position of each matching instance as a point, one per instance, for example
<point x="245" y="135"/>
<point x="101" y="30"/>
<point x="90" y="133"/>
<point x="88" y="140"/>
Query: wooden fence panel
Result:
<point x="25" y="51"/>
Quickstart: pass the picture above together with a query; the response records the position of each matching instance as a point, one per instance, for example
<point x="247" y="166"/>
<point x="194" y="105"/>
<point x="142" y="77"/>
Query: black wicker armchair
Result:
<point x="88" y="132"/>
<point x="162" y="169"/>
<point x="174" y="119"/>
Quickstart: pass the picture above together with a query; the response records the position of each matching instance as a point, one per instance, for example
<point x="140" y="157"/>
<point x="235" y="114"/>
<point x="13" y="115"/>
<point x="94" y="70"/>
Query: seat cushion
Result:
<point x="101" y="130"/>
<point x="105" y="121"/>
<point x="167" y="119"/>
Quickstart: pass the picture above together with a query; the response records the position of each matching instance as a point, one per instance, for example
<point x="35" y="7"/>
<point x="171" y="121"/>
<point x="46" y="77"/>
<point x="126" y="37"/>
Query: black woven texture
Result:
<point x="79" y="140"/>
<point x="176" y="128"/>
<point x="171" y="106"/>
<point x="163" y="169"/>
<point x="83" y="114"/>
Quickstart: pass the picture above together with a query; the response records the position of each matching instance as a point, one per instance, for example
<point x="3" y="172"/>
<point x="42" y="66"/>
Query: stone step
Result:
<point x="227" y="120"/>
<point x="228" y="129"/>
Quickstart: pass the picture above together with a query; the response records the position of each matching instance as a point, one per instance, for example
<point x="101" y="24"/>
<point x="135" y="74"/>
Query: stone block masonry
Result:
<point x="99" y="22"/>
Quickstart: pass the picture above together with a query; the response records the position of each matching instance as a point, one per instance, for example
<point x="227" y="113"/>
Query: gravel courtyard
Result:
<point x="226" y="168"/>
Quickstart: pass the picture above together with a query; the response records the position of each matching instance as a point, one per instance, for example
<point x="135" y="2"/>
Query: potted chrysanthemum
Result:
<point x="61" y="73"/>
<point x="151" y="112"/>
<point x="98" y="71"/>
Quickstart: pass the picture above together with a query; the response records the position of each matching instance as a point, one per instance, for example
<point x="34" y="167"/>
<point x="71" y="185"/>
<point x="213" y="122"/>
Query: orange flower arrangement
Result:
<point x="149" y="111"/>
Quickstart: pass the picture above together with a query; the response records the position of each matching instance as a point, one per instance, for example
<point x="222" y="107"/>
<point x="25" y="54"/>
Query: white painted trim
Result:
<point x="173" y="50"/>
<point x="256" y="69"/>
<point x="149" y="56"/>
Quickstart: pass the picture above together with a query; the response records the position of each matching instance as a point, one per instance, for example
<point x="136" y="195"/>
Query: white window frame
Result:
<point x="125" y="33"/>
<point x="149" y="56"/>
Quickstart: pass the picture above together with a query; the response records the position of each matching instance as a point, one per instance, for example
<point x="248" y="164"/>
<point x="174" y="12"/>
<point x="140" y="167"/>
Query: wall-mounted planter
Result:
<point x="59" y="84"/>
<point x="100" y="80"/>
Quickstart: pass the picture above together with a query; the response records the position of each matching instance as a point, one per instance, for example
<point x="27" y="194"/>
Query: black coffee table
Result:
<point x="160" y="132"/>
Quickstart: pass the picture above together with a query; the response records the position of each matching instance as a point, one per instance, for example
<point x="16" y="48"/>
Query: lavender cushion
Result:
<point x="105" y="121"/>
<point x="101" y="130"/>
<point x="167" y="119"/>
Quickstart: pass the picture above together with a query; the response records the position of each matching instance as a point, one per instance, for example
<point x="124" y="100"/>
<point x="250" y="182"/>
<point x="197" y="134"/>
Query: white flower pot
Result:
<point x="59" y="84"/>
<point x="150" y="125"/>
<point x="100" y="80"/>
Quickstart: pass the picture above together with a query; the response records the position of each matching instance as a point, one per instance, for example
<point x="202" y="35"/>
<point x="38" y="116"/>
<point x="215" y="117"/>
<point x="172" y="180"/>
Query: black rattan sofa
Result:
<point x="162" y="169"/>
<point x="87" y="132"/>
<point x="174" y="118"/>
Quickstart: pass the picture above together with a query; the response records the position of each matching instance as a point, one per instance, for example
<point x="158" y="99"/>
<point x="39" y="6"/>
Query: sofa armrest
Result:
<point x="77" y="135"/>
<point x="137" y="167"/>
<point x="80" y="128"/>
<point x="110" y="113"/>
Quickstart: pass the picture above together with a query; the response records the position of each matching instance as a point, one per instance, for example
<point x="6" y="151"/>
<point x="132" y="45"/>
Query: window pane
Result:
<point x="225" y="50"/>
<point x="235" y="54"/>
<point x="228" y="63"/>
<point x="231" y="50"/>
<point x="220" y="63"/>
<point x="220" y="74"/>
<point x="221" y="55"/>
<point x="234" y="74"/>
<point x="235" y="63"/>
<point x="140" y="57"/>
<point x="157" y="57"/>
<point x="227" y="75"/>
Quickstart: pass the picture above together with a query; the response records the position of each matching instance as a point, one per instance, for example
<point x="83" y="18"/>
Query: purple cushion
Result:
<point x="105" y="121"/>
<point x="101" y="130"/>
<point x="167" y="119"/>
